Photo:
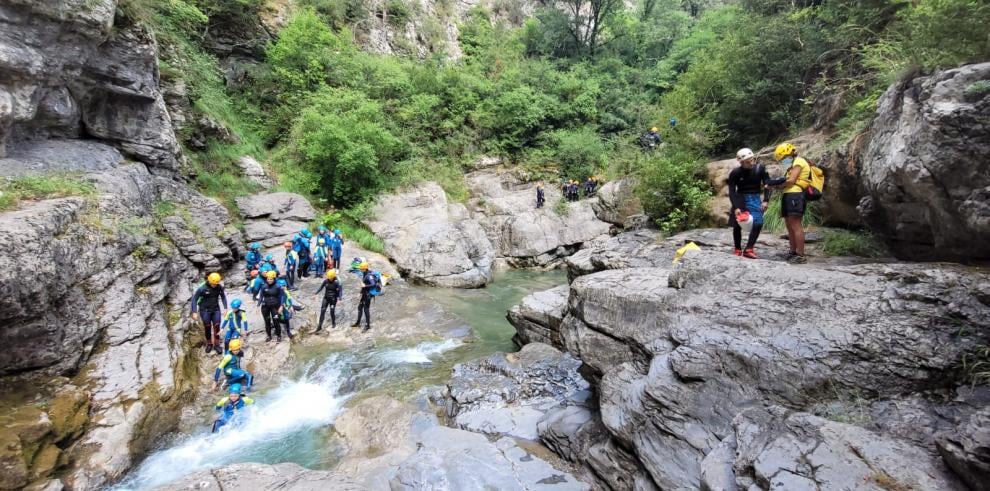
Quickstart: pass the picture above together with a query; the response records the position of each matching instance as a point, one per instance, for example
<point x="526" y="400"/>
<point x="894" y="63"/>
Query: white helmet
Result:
<point x="744" y="154"/>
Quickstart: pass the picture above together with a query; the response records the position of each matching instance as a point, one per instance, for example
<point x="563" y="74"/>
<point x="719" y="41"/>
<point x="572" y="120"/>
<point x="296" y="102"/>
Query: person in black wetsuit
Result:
<point x="748" y="192"/>
<point x="272" y="297"/>
<point x="206" y="305"/>
<point x="332" y="292"/>
<point x="540" y="197"/>
<point x="369" y="284"/>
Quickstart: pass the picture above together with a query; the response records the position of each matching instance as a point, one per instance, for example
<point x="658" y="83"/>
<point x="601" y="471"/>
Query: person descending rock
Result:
<point x="268" y="265"/>
<point x="253" y="258"/>
<point x="291" y="265"/>
<point x="287" y="307"/>
<point x="792" y="204"/>
<point x="320" y="257"/>
<point x="302" y="246"/>
<point x="206" y="305"/>
<point x="336" y="245"/>
<point x="230" y="367"/>
<point x="748" y="193"/>
<point x="651" y="139"/>
<point x="370" y="286"/>
<point x="271" y="297"/>
<point x="235" y="324"/>
<point x="230" y="406"/>
<point x="333" y="291"/>
<point x="540" y="196"/>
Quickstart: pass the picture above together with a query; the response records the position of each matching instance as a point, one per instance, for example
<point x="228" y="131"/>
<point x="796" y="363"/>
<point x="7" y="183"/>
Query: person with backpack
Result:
<point x="230" y="366"/>
<point x="320" y="257"/>
<point x="230" y="406"/>
<point x="206" y="307"/>
<point x="333" y="291"/>
<point x="253" y="258"/>
<point x="370" y="287"/>
<point x="271" y="297"/>
<point x="268" y="265"/>
<point x="287" y="307"/>
<point x="235" y="324"/>
<point x="302" y="246"/>
<point x="254" y="286"/>
<point x="794" y="201"/>
<point x="336" y="246"/>
<point x="291" y="264"/>
<point x="749" y="195"/>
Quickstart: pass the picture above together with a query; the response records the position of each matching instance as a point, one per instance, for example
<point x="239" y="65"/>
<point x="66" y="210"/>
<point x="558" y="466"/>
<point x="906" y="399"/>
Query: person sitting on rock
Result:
<point x="356" y="265"/>
<point x="206" y="306"/>
<point x="540" y="196"/>
<point x="748" y="193"/>
<point x="336" y="246"/>
<point x="253" y="258"/>
<point x="230" y="367"/>
<point x="235" y="324"/>
<point x="230" y="406"/>
<point x="320" y="257"/>
<point x="271" y="297"/>
<point x="287" y="307"/>
<point x="291" y="264"/>
<point x="369" y="285"/>
<point x="332" y="292"/>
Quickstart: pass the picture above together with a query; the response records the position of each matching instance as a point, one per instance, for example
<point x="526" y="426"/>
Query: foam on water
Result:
<point x="421" y="353"/>
<point x="298" y="405"/>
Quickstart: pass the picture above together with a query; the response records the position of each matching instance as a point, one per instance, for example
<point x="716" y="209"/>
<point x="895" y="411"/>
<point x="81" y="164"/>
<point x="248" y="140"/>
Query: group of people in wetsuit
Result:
<point x="571" y="190"/>
<point x="270" y="287"/>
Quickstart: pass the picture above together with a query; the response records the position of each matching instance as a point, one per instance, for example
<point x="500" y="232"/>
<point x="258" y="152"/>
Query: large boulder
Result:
<point x="272" y="218"/>
<point x="966" y="448"/>
<point x="678" y="351"/>
<point x="431" y="240"/>
<point x="524" y="235"/>
<point x="616" y="202"/>
<point x="538" y="315"/>
<point x="926" y="169"/>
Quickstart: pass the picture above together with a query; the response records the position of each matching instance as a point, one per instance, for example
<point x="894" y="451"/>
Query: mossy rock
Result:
<point x="45" y="461"/>
<point x="13" y="469"/>
<point x="69" y="413"/>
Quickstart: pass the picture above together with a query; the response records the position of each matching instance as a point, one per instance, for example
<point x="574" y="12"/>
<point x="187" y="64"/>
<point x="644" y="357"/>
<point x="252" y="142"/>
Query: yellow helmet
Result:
<point x="654" y="129"/>
<point x="213" y="279"/>
<point x="783" y="151"/>
<point x="270" y="275"/>
<point x="363" y="266"/>
<point x="235" y="344"/>
<point x="331" y="274"/>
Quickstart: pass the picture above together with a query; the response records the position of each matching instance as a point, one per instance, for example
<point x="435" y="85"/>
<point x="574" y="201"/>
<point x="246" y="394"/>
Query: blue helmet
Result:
<point x="256" y="246"/>
<point x="336" y="231"/>
<point x="305" y="233"/>
<point x="296" y="237"/>
<point x="322" y="228"/>
<point x="269" y="257"/>
<point x="281" y="282"/>
<point x="235" y="304"/>
<point x="235" y="388"/>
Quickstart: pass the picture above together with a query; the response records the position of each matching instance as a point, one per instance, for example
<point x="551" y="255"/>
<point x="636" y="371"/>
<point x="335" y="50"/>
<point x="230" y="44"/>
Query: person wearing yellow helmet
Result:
<point x="272" y="298"/>
<point x="651" y="139"/>
<point x="333" y="291"/>
<point x="206" y="307"/>
<point x="230" y="366"/>
<point x="369" y="282"/>
<point x="793" y="204"/>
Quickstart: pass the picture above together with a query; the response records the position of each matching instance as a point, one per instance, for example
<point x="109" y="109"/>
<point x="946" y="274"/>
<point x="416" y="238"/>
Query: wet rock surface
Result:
<point x="677" y="353"/>
<point x="262" y="476"/>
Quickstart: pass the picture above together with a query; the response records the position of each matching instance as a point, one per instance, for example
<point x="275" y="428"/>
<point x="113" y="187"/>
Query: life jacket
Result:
<point x="234" y="321"/>
<point x="375" y="288"/>
<point x="252" y="258"/>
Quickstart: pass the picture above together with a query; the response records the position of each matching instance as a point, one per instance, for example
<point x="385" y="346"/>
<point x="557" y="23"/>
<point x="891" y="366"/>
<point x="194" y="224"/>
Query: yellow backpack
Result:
<point x="814" y="186"/>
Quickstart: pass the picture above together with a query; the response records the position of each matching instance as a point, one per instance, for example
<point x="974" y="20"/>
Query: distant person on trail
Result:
<point x="333" y="291"/>
<point x="206" y="306"/>
<point x="572" y="189"/>
<point x="271" y="297"/>
<point x="229" y="406"/>
<point x="590" y="186"/>
<point x="230" y="367"/>
<point x="540" y="196"/>
<point x="253" y="258"/>
<point x="651" y="139"/>
<point x="291" y="264"/>
<point x="336" y="245"/>
<point x="235" y="324"/>
<point x="793" y="204"/>
<point x="370" y="287"/>
<point x="750" y="197"/>
<point x="673" y="124"/>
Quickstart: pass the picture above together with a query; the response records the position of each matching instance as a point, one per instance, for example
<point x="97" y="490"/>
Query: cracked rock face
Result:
<point x="272" y="218"/>
<point x="927" y="166"/>
<point x="678" y="352"/>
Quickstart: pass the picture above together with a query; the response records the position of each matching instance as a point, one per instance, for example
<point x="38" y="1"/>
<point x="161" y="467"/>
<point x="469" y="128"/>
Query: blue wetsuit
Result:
<point x="230" y="366"/>
<point x="235" y="325"/>
<point x="228" y="409"/>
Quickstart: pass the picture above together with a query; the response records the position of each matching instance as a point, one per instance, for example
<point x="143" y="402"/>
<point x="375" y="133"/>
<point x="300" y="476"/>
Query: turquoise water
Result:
<point x="293" y="422"/>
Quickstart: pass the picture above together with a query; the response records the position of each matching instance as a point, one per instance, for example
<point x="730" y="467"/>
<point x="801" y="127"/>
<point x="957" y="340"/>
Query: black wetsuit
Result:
<point x="540" y="199"/>
<point x="272" y="297"/>
<point x="206" y="301"/>
<point x="745" y="187"/>
<point x="368" y="282"/>
<point x="332" y="291"/>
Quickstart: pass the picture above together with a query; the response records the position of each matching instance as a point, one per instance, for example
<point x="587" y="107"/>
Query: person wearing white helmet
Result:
<point x="749" y="195"/>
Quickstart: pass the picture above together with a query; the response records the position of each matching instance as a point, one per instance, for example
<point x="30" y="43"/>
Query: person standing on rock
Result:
<point x="302" y="246"/>
<point x="748" y="192"/>
<point x="324" y="234"/>
<point x="230" y="366"/>
<point x="291" y="264"/>
<point x="333" y="291"/>
<point x="229" y="406"/>
<point x="271" y="297"/>
<point x="206" y="306"/>
<point x="320" y="257"/>
<point x="336" y="245"/>
<point x="235" y="324"/>
<point x="793" y="205"/>
<point x="287" y="307"/>
<point x="540" y="196"/>
<point x="253" y="258"/>
<point x="369" y="283"/>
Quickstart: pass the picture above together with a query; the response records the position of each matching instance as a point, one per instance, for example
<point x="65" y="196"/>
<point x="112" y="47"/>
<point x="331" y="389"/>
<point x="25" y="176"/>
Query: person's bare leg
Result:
<point x="790" y="233"/>
<point x="795" y="234"/>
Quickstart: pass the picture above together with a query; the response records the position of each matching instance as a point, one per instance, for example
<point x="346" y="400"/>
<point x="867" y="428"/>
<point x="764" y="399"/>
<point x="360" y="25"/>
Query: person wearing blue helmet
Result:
<point x="268" y="265"/>
<point x="336" y="246"/>
<point x="235" y="324"/>
<point x="324" y="234"/>
<point x="229" y="406"/>
<point x="288" y="305"/>
<point x="301" y="244"/>
<point x="253" y="258"/>
<point x="292" y="261"/>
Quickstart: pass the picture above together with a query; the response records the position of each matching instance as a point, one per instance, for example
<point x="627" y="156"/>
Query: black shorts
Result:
<point x="792" y="205"/>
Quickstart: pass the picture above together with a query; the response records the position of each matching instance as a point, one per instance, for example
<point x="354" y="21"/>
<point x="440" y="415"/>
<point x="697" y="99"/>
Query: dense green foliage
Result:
<point x="342" y="125"/>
